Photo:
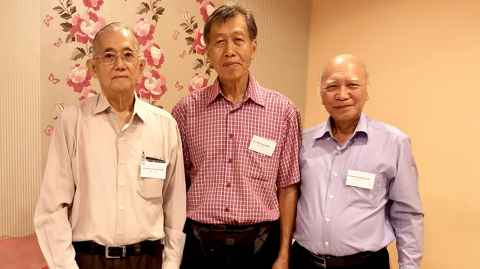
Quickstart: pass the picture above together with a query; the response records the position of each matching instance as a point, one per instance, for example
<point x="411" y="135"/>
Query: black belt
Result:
<point x="212" y="236"/>
<point x="141" y="248"/>
<point x="339" y="261"/>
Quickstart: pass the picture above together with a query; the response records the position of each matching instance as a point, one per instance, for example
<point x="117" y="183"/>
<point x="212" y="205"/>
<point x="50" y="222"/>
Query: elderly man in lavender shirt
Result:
<point x="359" y="188"/>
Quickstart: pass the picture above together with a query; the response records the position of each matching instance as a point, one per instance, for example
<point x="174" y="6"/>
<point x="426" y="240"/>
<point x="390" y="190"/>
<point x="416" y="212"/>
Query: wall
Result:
<point x="38" y="70"/>
<point x="20" y="131"/>
<point x="423" y="58"/>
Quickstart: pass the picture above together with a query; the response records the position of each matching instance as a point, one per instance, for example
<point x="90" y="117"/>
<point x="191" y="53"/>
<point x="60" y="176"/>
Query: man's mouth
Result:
<point x="120" y="76"/>
<point x="342" y="107"/>
<point x="230" y="64"/>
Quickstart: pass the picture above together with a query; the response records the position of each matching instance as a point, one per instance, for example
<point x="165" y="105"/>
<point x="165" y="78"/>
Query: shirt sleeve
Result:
<point x="52" y="226"/>
<point x="289" y="171"/>
<point x="406" y="214"/>
<point x="174" y="207"/>
<point x="179" y="114"/>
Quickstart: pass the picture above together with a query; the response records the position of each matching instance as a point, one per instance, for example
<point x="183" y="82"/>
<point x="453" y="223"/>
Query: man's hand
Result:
<point x="280" y="263"/>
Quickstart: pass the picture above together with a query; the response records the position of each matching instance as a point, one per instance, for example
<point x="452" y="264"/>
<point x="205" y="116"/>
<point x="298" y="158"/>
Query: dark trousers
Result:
<point x="87" y="260"/>
<point x="301" y="258"/>
<point x="230" y="247"/>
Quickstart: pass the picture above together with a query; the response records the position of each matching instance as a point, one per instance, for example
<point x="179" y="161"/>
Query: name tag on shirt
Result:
<point x="262" y="145"/>
<point x="153" y="168"/>
<point x="360" y="179"/>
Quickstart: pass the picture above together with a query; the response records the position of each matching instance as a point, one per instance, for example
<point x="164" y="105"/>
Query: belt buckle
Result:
<point x="108" y="256"/>
<point x="322" y="261"/>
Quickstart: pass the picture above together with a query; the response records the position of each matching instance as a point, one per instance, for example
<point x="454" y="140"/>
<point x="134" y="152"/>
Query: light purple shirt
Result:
<point x="334" y="218"/>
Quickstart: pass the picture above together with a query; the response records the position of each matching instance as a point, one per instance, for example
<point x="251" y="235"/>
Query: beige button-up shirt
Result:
<point x="92" y="188"/>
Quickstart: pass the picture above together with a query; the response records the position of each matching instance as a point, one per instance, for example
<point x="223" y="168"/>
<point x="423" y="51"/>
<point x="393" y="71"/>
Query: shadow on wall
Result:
<point x="21" y="252"/>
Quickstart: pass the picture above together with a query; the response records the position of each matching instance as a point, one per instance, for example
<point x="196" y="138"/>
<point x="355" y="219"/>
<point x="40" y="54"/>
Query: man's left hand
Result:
<point x="280" y="263"/>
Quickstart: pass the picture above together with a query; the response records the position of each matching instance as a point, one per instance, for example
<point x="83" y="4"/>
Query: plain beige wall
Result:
<point x="20" y="129"/>
<point x="424" y="63"/>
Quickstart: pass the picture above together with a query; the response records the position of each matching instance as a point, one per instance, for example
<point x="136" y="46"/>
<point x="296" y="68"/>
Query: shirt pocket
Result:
<point x="363" y="197"/>
<point x="150" y="188"/>
<point x="260" y="166"/>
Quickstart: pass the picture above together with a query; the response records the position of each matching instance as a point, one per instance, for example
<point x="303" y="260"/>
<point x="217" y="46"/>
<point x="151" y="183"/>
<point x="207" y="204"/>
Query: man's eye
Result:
<point x="220" y="42"/>
<point x="353" y="85"/>
<point x="129" y="55"/>
<point x="109" y="56"/>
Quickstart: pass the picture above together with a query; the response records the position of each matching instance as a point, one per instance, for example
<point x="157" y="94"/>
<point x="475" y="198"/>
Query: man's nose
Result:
<point x="343" y="92"/>
<point x="229" y="49"/>
<point x="119" y="62"/>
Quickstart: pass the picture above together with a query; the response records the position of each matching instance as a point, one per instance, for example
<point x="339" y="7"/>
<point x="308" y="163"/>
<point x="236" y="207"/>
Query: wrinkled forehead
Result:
<point x="344" y="71"/>
<point x="236" y="24"/>
<point x="117" y="38"/>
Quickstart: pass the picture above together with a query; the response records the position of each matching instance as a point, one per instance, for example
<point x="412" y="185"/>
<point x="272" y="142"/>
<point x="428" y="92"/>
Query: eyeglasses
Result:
<point x="110" y="58"/>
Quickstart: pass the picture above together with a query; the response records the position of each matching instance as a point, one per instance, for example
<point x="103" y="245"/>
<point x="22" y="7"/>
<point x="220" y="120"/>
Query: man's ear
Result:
<point x="366" y="91"/>
<point x="254" y="45"/>
<point x="141" y="65"/>
<point x="92" y="68"/>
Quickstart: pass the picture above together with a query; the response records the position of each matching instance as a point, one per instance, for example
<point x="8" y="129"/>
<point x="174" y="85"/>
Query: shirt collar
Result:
<point x="253" y="92"/>
<point x="103" y="105"/>
<point x="326" y="129"/>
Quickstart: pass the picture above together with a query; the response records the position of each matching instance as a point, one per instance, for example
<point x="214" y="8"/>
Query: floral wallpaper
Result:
<point x="167" y="45"/>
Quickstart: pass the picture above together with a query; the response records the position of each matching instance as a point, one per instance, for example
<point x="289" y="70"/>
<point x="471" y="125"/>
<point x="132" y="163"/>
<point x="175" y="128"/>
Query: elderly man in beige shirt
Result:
<point x="113" y="194"/>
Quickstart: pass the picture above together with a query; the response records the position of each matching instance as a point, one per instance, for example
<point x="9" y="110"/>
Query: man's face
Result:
<point x="116" y="63"/>
<point x="344" y="90"/>
<point x="230" y="49"/>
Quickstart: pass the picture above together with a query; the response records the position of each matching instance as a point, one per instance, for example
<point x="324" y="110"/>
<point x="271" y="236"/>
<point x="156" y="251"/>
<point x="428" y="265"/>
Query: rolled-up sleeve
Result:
<point x="406" y="213"/>
<point x="174" y="206"/>
<point x="52" y="226"/>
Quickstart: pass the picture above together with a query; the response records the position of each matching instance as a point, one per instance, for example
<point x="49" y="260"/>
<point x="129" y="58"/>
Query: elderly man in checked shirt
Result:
<point x="241" y="144"/>
<point x="359" y="188"/>
<point x="113" y="193"/>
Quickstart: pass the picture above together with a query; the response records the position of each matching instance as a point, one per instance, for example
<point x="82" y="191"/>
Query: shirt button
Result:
<point x="122" y="183"/>
<point x="331" y="196"/>
<point x="326" y="243"/>
<point x="327" y="219"/>
<point x="230" y="160"/>
<point x="334" y="173"/>
<point x="230" y="135"/>
<point x="226" y="209"/>
<point x="229" y="185"/>
<point x="122" y="207"/>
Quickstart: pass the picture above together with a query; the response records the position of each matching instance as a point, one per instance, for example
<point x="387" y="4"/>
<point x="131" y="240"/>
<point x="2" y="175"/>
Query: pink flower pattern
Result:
<point x="80" y="27"/>
<point x="154" y="55"/>
<point x="153" y="85"/>
<point x="144" y="31"/>
<point x="85" y="28"/>
<point x="198" y="43"/>
<point x="93" y="4"/>
<point x="78" y="78"/>
<point x="206" y="9"/>
<point x="198" y="82"/>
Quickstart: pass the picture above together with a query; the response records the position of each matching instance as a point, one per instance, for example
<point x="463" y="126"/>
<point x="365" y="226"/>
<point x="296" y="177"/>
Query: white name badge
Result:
<point x="360" y="179"/>
<point x="153" y="169"/>
<point x="262" y="145"/>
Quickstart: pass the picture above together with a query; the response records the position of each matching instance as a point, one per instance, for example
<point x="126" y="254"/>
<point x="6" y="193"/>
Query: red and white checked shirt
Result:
<point x="230" y="184"/>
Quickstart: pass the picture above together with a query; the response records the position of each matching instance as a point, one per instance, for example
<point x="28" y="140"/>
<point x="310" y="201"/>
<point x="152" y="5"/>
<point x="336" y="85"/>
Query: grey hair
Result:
<point x="225" y="12"/>
<point x="111" y="27"/>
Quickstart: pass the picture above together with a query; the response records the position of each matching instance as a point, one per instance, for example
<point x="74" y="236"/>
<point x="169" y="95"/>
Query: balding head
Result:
<point x="344" y="88"/>
<point x="113" y="27"/>
<point x="115" y="61"/>
<point x="344" y="62"/>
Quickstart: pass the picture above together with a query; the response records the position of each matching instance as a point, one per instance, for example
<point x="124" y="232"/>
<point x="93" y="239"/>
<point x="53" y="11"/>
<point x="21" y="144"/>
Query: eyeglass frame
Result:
<point x="116" y="56"/>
